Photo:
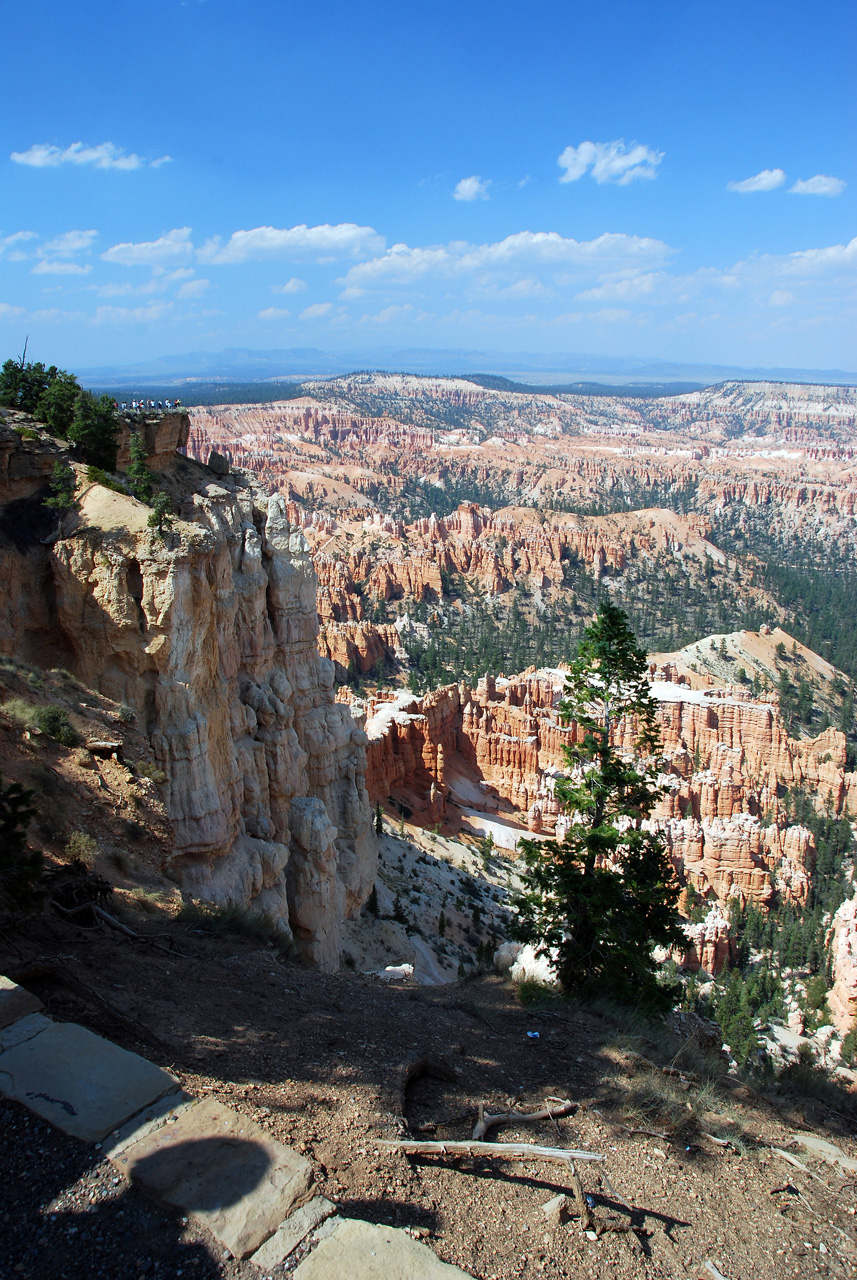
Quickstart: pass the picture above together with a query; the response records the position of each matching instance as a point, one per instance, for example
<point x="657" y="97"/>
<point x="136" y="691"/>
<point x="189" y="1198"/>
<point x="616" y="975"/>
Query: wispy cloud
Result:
<point x="61" y="267"/>
<point x="291" y="286"/>
<point x="609" y="162"/>
<point x="171" y="245"/>
<point x="342" y="240"/>
<point x="274" y="313"/>
<point x="474" y="188"/>
<point x="106" y="155"/>
<point x="819" y="185"/>
<point x="69" y="243"/>
<point x="316" y="311"/>
<point x="766" y="180"/>
<point x="638" y="286"/>
<point x="543" y="250"/>
<point x="193" y="288"/>
<point x="132" y="315"/>
<point x="16" y="238"/>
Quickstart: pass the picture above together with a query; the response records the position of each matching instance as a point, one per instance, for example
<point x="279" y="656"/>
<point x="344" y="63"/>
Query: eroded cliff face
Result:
<point x="727" y="760"/>
<point x="209" y="635"/>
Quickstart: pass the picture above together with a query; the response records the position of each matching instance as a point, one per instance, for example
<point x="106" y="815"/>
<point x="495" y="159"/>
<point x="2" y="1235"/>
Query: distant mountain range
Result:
<point x="243" y="364"/>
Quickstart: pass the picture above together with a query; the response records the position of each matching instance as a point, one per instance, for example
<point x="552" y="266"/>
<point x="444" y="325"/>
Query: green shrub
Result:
<point x="96" y="475"/>
<point x="54" y="721"/>
<point x="849" y="1048"/>
<point x="150" y="771"/>
<point x="161" y="517"/>
<point x="82" y="847"/>
<point x="219" y="920"/>
<point x="23" y="713"/>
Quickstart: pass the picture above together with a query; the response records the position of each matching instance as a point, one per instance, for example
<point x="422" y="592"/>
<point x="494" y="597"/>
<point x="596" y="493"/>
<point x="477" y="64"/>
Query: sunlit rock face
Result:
<point x="209" y="635"/>
<point x="725" y="757"/>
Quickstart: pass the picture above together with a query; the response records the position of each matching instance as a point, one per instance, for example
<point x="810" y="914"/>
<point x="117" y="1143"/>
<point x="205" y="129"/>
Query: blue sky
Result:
<point x="673" y="180"/>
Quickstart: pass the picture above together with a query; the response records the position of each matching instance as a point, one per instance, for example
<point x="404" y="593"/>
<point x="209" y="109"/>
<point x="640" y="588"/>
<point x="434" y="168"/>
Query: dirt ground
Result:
<point x="321" y="1062"/>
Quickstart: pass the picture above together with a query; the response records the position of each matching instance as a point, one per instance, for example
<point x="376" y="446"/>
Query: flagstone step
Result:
<point x="84" y="1085"/>
<point x="296" y="1228"/>
<point x="357" y="1250"/>
<point x="225" y="1170"/>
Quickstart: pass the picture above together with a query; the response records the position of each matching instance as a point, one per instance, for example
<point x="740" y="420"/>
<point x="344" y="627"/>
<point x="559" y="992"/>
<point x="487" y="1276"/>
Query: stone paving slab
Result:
<point x="225" y="1170"/>
<point x="24" y="1029"/>
<point x="84" y="1085"/>
<point x="295" y="1228"/>
<point x="165" y="1111"/>
<point x="15" y="1001"/>
<point x="361" y="1251"/>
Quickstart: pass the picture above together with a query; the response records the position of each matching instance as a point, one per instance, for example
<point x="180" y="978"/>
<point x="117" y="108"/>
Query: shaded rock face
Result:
<point x="209" y="635"/>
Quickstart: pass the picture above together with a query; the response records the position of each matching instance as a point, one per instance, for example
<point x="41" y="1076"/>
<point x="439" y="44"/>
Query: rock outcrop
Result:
<point x="208" y="634"/>
<point x="728" y="760"/>
<point x="842" y="941"/>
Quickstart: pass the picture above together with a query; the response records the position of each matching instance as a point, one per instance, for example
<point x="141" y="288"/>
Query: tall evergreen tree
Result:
<point x="600" y="900"/>
<point x="95" y="427"/>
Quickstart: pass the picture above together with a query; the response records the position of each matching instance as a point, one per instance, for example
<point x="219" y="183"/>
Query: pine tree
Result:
<point x="95" y="428"/>
<point x="600" y="900"/>
<point x="20" y="867"/>
<point x="138" y="473"/>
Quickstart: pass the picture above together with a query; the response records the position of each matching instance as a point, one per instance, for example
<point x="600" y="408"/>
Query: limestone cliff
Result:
<point x="209" y="634"/>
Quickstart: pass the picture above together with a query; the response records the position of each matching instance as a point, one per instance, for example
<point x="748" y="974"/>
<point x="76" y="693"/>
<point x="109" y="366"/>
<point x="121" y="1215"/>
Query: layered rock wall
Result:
<point x="209" y="635"/>
<point x="728" y="760"/>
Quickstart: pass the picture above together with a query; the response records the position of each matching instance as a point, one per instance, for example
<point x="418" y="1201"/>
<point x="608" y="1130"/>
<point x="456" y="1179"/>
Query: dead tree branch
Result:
<point x="487" y="1122"/>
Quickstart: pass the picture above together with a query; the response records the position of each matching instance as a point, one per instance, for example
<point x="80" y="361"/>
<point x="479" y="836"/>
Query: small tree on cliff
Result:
<point x="137" y="471"/>
<point x="601" y="899"/>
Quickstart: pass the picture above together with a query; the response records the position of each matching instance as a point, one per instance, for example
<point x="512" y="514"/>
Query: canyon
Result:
<point x="287" y="645"/>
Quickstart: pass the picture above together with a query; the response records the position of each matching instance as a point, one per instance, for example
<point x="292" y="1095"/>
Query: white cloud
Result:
<point x="193" y="289"/>
<point x="781" y="298"/>
<point x="621" y="290"/>
<point x="58" y="267"/>
<point x="609" y="162"/>
<point x="343" y="240"/>
<point x="396" y="315"/>
<point x="171" y="245"/>
<point x="606" y="315"/>
<point x="160" y="282"/>
<point x="766" y="180"/>
<point x="17" y="237"/>
<point x="526" y="249"/>
<point x="8" y="312"/>
<point x="69" y="243"/>
<point x="291" y="286"/>
<point x="274" y="313"/>
<point x="819" y="185"/>
<point x="474" y="188"/>
<point x="132" y="315"/>
<point x="316" y="311"/>
<point x="104" y="156"/>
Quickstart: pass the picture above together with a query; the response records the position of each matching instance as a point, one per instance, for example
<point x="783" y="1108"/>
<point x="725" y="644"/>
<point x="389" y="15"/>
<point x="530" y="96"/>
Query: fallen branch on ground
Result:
<point x="487" y="1122"/>
<point x="151" y="939"/>
<point x="504" y="1150"/>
